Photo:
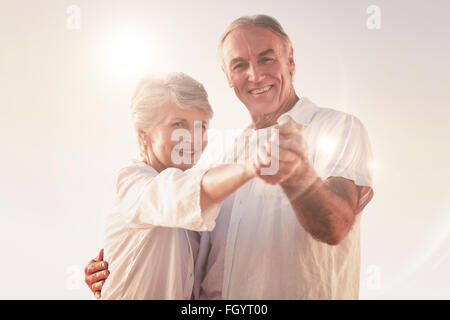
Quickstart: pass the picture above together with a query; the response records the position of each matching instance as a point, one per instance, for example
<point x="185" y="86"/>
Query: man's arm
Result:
<point x="326" y="209"/>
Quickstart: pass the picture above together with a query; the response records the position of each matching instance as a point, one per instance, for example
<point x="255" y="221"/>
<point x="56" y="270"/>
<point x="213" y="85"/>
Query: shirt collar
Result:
<point x="303" y="111"/>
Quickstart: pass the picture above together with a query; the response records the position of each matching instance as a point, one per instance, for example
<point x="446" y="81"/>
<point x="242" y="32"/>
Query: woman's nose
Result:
<point x="196" y="135"/>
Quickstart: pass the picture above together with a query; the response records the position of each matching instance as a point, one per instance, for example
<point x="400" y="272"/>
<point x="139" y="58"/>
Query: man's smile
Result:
<point x="260" y="90"/>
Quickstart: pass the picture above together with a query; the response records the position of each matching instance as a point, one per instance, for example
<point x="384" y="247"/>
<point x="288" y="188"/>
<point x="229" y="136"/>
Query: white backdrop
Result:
<point x="67" y="71"/>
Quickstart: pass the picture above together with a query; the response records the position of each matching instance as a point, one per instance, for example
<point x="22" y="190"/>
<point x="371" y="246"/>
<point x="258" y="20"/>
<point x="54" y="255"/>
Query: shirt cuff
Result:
<point x="206" y="219"/>
<point x="360" y="179"/>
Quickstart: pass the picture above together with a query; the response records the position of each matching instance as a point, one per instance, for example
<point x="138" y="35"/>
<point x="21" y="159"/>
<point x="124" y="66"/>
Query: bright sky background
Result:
<point x="65" y="129"/>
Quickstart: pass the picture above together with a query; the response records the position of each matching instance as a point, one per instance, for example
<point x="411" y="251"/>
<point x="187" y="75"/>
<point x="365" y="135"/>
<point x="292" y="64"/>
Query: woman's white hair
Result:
<point x="259" y="20"/>
<point x="154" y="93"/>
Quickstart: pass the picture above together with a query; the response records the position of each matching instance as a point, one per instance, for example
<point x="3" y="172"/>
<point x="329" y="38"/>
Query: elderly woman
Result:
<point x="148" y="244"/>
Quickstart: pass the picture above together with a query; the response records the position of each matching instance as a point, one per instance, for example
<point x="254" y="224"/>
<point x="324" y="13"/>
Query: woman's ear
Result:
<point x="230" y="84"/>
<point x="142" y="136"/>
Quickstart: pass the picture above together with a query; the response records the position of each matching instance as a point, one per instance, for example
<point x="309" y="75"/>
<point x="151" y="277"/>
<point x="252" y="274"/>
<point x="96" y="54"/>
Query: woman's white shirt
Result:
<point x="147" y="241"/>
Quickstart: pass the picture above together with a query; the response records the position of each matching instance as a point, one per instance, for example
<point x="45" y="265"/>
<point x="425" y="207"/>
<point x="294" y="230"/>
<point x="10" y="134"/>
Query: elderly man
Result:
<point x="298" y="237"/>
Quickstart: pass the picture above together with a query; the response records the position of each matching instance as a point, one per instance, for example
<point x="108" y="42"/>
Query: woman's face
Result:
<point x="178" y="140"/>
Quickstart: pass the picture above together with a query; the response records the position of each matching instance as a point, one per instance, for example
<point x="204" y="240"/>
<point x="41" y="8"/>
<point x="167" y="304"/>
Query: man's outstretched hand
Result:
<point x="286" y="152"/>
<point x="95" y="274"/>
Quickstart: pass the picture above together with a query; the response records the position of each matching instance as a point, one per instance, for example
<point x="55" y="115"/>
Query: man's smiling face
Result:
<point x="258" y="68"/>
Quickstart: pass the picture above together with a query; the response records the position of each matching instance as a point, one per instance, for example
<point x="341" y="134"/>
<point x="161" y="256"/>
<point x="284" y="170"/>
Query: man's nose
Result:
<point x="255" y="73"/>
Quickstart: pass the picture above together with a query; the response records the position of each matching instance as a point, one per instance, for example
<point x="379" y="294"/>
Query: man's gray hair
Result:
<point x="259" y="20"/>
<point x="154" y="93"/>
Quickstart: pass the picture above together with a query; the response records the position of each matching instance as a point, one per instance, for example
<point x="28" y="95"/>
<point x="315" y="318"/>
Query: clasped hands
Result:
<point x="283" y="158"/>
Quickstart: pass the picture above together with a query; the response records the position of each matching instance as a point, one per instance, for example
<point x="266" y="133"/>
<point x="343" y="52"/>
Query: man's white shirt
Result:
<point x="259" y="249"/>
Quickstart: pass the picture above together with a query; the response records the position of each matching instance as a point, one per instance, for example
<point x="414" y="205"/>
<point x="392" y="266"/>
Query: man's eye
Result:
<point x="239" y="66"/>
<point x="265" y="60"/>
<point x="177" y="124"/>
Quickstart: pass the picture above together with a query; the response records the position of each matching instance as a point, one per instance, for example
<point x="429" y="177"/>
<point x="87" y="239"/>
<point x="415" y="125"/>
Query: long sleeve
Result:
<point x="169" y="199"/>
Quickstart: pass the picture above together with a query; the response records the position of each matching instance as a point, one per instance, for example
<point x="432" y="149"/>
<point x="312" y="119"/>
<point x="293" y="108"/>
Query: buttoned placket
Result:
<point x="236" y="215"/>
<point x="237" y="211"/>
<point x="241" y="203"/>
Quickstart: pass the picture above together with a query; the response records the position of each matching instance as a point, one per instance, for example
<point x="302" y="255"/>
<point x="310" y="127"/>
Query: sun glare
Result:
<point x="129" y="54"/>
<point x="327" y="145"/>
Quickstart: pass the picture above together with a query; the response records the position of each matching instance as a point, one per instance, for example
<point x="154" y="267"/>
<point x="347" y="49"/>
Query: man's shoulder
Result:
<point x="309" y="113"/>
<point x="328" y="116"/>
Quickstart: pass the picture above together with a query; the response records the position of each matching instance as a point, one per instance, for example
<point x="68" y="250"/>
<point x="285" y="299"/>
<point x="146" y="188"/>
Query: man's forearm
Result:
<point x="324" y="208"/>
<point x="218" y="183"/>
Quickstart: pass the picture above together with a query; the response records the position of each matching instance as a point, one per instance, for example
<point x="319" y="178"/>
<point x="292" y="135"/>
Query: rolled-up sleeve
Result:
<point x="356" y="159"/>
<point x="169" y="199"/>
<point x="349" y="155"/>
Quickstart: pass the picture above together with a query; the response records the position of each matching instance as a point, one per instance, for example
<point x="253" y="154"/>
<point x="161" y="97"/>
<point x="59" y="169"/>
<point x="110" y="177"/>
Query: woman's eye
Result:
<point x="202" y="126"/>
<point x="177" y="124"/>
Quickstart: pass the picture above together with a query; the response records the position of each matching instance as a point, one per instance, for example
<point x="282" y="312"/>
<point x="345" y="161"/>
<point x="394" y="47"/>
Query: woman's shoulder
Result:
<point x="137" y="165"/>
<point x="135" y="169"/>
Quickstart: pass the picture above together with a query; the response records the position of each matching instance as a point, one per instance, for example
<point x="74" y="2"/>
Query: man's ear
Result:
<point x="291" y="61"/>
<point x="230" y="83"/>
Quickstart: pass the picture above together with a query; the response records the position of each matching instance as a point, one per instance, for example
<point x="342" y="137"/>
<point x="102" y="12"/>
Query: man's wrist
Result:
<point x="299" y="185"/>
